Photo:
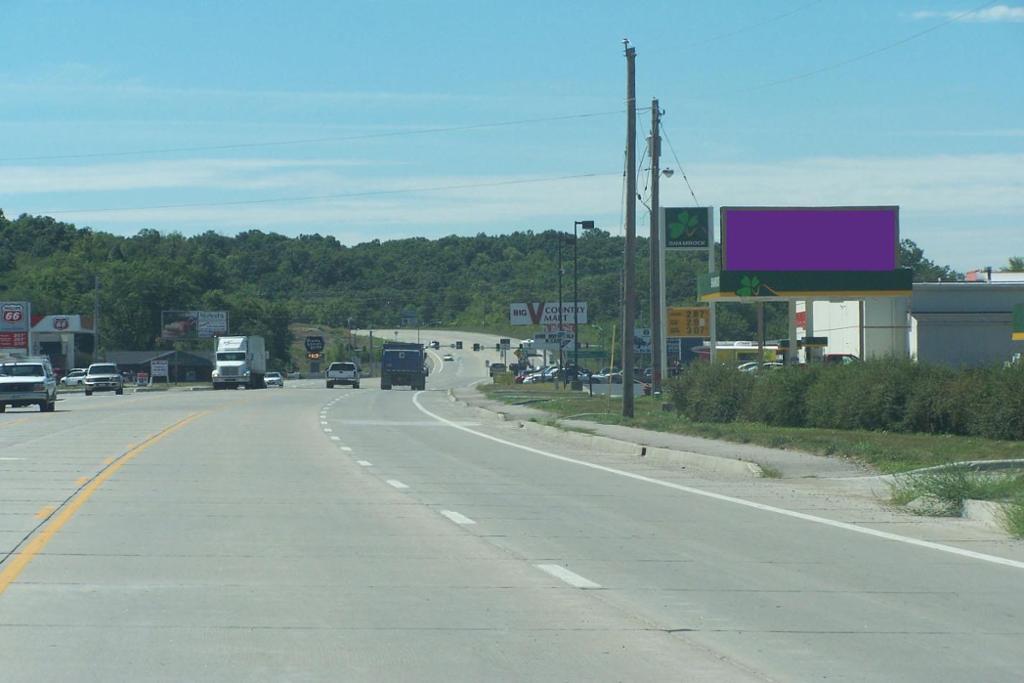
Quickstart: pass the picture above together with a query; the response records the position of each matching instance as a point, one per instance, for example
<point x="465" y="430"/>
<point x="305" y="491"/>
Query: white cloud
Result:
<point x="996" y="13"/>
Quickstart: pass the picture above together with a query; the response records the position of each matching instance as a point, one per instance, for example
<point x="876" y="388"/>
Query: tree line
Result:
<point x="267" y="281"/>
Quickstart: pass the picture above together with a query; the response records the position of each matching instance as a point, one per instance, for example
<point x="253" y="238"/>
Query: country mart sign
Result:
<point x="546" y="313"/>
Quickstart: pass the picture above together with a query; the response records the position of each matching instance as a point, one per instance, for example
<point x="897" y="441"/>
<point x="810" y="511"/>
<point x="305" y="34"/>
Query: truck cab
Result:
<point x="241" y="361"/>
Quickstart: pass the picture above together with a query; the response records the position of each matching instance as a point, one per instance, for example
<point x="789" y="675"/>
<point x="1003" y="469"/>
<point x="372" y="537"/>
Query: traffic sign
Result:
<point x="314" y="344"/>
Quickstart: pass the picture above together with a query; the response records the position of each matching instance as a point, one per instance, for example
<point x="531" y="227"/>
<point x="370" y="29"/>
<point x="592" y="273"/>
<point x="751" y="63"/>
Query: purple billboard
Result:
<point x="810" y="238"/>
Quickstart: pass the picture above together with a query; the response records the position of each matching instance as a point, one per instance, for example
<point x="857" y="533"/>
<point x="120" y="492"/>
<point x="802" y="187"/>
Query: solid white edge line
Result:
<point x="571" y="578"/>
<point x="457" y="518"/>
<point x="397" y="484"/>
<point x="365" y="463"/>
<point x="439" y="361"/>
<point x="931" y="545"/>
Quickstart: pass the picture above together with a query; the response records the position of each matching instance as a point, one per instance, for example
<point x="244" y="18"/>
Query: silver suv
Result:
<point x="343" y="373"/>
<point x="26" y="383"/>
<point x="103" y="377"/>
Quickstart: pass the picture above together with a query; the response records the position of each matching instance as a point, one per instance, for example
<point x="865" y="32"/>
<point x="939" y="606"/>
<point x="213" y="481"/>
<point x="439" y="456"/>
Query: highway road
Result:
<point x="313" y="534"/>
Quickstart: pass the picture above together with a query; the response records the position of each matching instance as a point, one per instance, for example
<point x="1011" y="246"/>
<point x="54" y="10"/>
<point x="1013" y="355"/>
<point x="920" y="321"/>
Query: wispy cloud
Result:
<point x="996" y="13"/>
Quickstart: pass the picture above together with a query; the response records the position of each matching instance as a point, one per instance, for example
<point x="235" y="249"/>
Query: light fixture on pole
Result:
<point x="583" y="225"/>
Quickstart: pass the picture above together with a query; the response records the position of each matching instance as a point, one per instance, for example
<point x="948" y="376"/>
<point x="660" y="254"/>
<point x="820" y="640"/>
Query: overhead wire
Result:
<point x="305" y="141"/>
<point x="679" y="164"/>
<point x="749" y="27"/>
<point x="342" y="195"/>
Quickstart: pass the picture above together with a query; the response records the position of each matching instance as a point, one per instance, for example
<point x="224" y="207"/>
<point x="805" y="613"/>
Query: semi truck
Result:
<point x="403" y="364"/>
<point x="241" y="362"/>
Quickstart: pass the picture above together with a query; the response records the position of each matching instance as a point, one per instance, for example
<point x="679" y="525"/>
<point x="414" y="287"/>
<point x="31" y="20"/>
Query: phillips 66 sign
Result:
<point x="15" y="322"/>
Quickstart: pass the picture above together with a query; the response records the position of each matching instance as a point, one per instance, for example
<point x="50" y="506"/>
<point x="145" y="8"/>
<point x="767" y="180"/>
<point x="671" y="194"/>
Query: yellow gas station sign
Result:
<point x="687" y="321"/>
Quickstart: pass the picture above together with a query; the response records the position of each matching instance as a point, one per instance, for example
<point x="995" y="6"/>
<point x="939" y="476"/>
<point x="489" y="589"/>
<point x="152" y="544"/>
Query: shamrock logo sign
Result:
<point x="749" y="286"/>
<point x="684" y="226"/>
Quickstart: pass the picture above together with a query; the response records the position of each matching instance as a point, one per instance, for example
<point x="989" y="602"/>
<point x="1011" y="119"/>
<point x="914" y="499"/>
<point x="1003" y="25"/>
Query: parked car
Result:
<point x="103" y="377"/>
<point x="273" y="379"/>
<point x="74" y="377"/>
<point x="28" y="382"/>
<point x="840" y="359"/>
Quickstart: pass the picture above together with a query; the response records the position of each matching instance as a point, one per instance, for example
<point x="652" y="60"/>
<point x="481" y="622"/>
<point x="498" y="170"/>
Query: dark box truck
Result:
<point x="403" y="364"/>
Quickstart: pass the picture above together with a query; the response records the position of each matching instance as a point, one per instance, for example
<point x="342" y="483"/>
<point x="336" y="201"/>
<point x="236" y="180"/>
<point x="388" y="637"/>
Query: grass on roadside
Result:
<point x="888" y="452"/>
<point x="943" y="493"/>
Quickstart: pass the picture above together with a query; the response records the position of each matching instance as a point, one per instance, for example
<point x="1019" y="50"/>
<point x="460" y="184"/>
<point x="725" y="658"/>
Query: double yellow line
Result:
<point x="17" y="562"/>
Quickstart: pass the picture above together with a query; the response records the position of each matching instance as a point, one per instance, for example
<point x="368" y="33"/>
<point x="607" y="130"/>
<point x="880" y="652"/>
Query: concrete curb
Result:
<point x="663" y="456"/>
<point x="987" y="512"/>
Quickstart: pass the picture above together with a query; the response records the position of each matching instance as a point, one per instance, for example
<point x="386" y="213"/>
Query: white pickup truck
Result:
<point x="343" y="373"/>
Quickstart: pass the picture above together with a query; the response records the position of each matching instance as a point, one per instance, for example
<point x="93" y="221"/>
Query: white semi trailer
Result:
<point x="241" y="361"/>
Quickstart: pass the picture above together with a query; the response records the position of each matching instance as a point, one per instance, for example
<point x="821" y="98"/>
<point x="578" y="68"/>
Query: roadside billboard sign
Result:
<point x="193" y="324"/>
<point x="159" y="368"/>
<point x="546" y="313"/>
<point x="1018" y="322"/>
<point x="642" y="340"/>
<point x="832" y="238"/>
<point x="314" y="343"/>
<point x="687" y="321"/>
<point x="15" y="323"/>
<point x="686" y="228"/>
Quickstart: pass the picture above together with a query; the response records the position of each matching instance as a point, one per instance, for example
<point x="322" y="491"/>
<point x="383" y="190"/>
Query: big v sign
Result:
<point x="546" y="313"/>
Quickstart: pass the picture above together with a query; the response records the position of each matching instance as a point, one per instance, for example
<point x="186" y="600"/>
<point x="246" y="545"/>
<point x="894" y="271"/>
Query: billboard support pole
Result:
<point x="712" y="326"/>
<point x="656" y="247"/>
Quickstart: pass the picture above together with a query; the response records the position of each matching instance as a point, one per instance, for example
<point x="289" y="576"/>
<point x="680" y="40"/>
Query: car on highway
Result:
<point x="103" y="377"/>
<point x="447" y="356"/>
<point x="28" y="382"/>
<point x="343" y="372"/>
<point x="273" y="379"/>
<point x="74" y="377"/>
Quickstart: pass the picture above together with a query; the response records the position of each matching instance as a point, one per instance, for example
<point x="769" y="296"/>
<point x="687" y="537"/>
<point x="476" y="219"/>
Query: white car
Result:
<point x="447" y="356"/>
<point x="273" y="379"/>
<point x="74" y="377"/>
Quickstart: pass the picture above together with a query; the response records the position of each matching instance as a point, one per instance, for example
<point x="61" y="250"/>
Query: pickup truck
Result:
<point x="28" y="382"/>
<point x="343" y="373"/>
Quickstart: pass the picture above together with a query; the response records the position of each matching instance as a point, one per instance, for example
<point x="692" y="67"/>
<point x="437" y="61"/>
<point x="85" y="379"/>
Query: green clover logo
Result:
<point x="749" y="286"/>
<point x="684" y="227"/>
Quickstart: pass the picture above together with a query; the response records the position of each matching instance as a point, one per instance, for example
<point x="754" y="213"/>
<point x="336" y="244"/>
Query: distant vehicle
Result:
<point x="435" y="344"/>
<point x="497" y="369"/>
<point x="751" y="366"/>
<point x="241" y="362"/>
<point x="74" y="377"/>
<point x="447" y="356"/>
<point x="403" y="364"/>
<point x="274" y="379"/>
<point x="28" y="382"/>
<point x="103" y="377"/>
<point x="840" y="358"/>
<point x="343" y="372"/>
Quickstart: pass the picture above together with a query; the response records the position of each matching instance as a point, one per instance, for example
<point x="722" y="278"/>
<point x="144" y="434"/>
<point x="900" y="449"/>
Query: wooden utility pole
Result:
<point x="629" y="276"/>
<point x="658" y="343"/>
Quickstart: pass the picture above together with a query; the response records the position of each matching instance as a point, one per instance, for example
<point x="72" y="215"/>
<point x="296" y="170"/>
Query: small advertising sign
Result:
<point x="642" y="340"/>
<point x="314" y="343"/>
<point x="689" y="321"/>
<point x="193" y="324"/>
<point x="686" y="228"/>
<point x="546" y="313"/>
<point x="159" y="368"/>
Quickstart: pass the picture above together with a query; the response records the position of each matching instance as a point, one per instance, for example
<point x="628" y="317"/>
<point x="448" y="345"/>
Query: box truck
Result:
<point x="403" y="364"/>
<point x="241" y="362"/>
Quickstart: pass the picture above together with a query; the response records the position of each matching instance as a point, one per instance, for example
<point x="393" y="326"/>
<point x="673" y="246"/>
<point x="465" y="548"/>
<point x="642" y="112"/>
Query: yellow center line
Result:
<point x="81" y="480"/>
<point x="17" y="562"/>
<point x="45" y="511"/>
<point x="13" y="422"/>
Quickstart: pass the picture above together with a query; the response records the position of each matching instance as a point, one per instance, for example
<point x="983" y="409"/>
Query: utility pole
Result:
<point x="657" y="354"/>
<point x="561" y="326"/>
<point x="629" y="276"/>
<point x="96" y="320"/>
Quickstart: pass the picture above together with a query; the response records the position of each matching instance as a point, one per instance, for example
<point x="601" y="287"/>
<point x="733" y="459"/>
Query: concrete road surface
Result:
<point x="313" y="534"/>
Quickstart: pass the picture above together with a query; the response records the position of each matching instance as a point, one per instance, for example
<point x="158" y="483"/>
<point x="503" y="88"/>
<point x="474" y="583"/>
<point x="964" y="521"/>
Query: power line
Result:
<point x="344" y="195"/>
<point x="872" y="53"/>
<point x="305" y="141"/>
<point x="678" y="163"/>
<point x="750" y="27"/>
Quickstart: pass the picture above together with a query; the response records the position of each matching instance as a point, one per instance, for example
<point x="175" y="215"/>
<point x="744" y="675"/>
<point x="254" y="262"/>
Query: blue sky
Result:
<point x="127" y="115"/>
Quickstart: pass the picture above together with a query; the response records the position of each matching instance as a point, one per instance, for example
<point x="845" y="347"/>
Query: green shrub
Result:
<point x="1000" y="406"/>
<point x="711" y="393"/>
<point x="779" y="397"/>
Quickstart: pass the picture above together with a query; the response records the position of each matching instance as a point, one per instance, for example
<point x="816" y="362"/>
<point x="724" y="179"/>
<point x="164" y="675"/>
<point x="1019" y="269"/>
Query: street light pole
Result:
<point x="585" y="225"/>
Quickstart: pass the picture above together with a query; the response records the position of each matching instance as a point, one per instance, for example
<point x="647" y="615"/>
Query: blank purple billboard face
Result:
<point x="827" y="238"/>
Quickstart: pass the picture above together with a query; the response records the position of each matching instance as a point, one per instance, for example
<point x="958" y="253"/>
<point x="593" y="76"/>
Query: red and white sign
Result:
<point x="60" y="323"/>
<point x="553" y="327"/>
<point x="15" y="319"/>
<point x="546" y="313"/>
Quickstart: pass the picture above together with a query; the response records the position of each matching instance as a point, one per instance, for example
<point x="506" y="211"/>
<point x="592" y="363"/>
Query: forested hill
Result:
<point x="267" y="280"/>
